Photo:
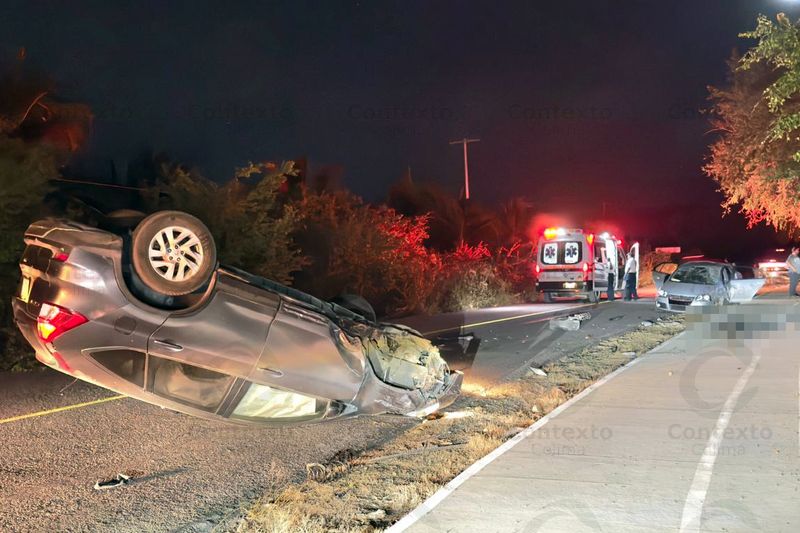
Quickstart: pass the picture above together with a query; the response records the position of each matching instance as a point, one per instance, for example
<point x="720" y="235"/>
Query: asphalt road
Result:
<point x="702" y="434"/>
<point x="59" y="437"/>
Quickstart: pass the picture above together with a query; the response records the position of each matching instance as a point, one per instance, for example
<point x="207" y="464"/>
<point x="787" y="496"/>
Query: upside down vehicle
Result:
<point x="150" y="314"/>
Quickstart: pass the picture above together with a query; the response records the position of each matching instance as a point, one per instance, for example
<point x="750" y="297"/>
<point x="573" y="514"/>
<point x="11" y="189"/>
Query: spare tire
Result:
<point x="173" y="253"/>
<point x="357" y="304"/>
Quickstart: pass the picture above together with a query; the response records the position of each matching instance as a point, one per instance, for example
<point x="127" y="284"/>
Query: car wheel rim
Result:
<point x="175" y="253"/>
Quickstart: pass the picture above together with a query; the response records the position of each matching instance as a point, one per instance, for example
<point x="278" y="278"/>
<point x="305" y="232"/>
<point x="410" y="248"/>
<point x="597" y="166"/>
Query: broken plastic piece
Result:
<point x="121" y="479"/>
<point x="568" y="324"/>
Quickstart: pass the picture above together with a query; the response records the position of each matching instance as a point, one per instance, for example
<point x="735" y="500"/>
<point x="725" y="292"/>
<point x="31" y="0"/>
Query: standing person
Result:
<point x="612" y="278"/>
<point x="631" y="270"/>
<point x="793" y="264"/>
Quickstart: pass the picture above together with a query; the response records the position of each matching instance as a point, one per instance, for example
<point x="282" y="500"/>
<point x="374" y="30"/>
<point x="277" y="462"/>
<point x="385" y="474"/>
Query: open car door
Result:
<point x="662" y="271"/>
<point x="743" y="290"/>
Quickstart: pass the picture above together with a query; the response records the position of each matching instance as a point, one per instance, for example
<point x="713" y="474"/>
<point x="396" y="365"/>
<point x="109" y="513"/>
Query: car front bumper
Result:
<point x="679" y="304"/>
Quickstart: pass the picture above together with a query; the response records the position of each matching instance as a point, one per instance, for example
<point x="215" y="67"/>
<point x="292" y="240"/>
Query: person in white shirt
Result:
<point x="631" y="271"/>
<point x="793" y="265"/>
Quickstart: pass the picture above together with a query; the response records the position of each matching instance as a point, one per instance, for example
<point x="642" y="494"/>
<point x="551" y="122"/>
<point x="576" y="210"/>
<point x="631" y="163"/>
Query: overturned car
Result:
<point x="153" y="316"/>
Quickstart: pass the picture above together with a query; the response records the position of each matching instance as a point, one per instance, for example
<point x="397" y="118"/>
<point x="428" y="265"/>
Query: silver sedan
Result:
<point x="702" y="283"/>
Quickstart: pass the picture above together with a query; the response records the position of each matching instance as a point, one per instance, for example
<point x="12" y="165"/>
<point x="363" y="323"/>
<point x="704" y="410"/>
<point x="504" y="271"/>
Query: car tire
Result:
<point x="357" y="304"/>
<point x="547" y="297"/>
<point x="594" y="297"/>
<point x="173" y="253"/>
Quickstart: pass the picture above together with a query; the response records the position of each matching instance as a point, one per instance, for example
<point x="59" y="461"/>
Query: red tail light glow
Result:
<point x="538" y="268"/>
<point x="585" y="266"/>
<point x="590" y="239"/>
<point x="54" y="320"/>
<point x="60" y="256"/>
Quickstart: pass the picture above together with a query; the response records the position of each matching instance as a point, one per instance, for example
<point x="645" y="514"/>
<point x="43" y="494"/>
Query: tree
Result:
<point x="251" y="223"/>
<point x="756" y="158"/>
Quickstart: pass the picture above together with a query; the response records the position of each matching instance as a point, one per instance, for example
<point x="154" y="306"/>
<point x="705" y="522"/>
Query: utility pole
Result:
<point x="465" y="142"/>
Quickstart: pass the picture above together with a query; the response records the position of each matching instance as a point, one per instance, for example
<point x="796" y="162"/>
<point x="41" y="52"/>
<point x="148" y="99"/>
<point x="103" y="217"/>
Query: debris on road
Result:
<point x="376" y="516"/>
<point x="647" y="323"/>
<point x="121" y="479"/>
<point x="569" y="323"/>
<point x="538" y="371"/>
<point x="629" y="354"/>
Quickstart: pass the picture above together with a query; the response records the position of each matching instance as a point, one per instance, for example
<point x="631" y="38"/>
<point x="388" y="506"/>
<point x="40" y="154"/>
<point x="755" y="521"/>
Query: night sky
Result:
<point x="575" y="103"/>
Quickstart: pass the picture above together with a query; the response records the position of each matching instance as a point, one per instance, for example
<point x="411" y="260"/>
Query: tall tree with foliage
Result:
<point x="251" y="222"/>
<point x="756" y="158"/>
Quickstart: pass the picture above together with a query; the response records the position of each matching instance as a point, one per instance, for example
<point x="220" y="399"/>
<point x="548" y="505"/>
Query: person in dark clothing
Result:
<point x="611" y="281"/>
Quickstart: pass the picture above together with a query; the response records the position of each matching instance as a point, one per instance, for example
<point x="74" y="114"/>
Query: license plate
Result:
<point x="25" y="289"/>
<point x="570" y="285"/>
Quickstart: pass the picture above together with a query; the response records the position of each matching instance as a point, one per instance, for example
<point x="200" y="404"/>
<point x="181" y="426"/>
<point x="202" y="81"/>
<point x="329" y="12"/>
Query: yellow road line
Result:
<point x="59" y="409"/>
<point x="506" y="319"/>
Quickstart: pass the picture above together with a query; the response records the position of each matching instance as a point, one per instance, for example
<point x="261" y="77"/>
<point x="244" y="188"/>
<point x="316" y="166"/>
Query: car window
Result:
<point x="600" y="252"/>
<point x="746" y="272"/>
<point x="188" y="384"/>
<point x="550" y="253"/>
<point x="666" y="268"/>
<point x="561" y="252"/>
<point x="698" y="274"/>
<point x="127" y="364"/>
<point x="261" y="402"/>
<point x="572" y="252"/>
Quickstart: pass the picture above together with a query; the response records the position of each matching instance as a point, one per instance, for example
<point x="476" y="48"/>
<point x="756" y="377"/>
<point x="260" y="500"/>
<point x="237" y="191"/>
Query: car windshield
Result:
<point x="698" y="274"/>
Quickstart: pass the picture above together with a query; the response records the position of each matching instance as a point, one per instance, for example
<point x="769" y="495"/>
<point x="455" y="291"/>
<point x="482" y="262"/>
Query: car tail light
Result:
<point x="585" y="270"/>
<point x="54" y="320"/>
<point x="538" y="268"/>
<point x="60" y="256"/>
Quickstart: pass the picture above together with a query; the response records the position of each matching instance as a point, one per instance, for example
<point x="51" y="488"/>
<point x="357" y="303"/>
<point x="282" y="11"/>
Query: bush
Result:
<point x="366" y="250"/>
<point x="470" y="279"/>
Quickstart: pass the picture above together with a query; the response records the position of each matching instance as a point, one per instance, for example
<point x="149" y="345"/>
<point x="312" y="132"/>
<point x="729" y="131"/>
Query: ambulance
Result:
<point x="573" y="264"/>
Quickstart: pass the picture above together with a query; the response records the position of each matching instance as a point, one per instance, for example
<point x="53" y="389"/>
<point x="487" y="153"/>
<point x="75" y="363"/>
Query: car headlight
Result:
<point x="662" y="292"/>
<point x="702" y="298"/>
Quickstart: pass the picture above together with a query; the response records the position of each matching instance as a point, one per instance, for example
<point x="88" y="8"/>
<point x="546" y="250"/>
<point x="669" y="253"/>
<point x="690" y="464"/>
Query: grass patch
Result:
<point x="368" y="491"/>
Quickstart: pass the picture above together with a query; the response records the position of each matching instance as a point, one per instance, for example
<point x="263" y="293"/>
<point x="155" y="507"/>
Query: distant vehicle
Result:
<point x="704" y="282"/>
<point x="571" y="263"/>
<point x="153" y="316"/>
<point x="774" y="268"/>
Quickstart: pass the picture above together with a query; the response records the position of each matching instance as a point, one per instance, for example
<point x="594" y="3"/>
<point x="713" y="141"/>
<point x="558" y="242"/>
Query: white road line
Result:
<point x="693" y="508"/>
<point x="437" y="497"/>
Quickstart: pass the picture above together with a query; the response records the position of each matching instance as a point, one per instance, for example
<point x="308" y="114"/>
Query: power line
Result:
<point x="99" y="184"/>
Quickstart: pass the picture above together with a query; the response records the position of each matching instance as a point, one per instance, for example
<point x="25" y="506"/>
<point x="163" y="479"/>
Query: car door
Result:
<point x="743" y="289"/>
<point x="662" y="271"/>
<point x="226" y="335"/>
<point x="600" y="266"/>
